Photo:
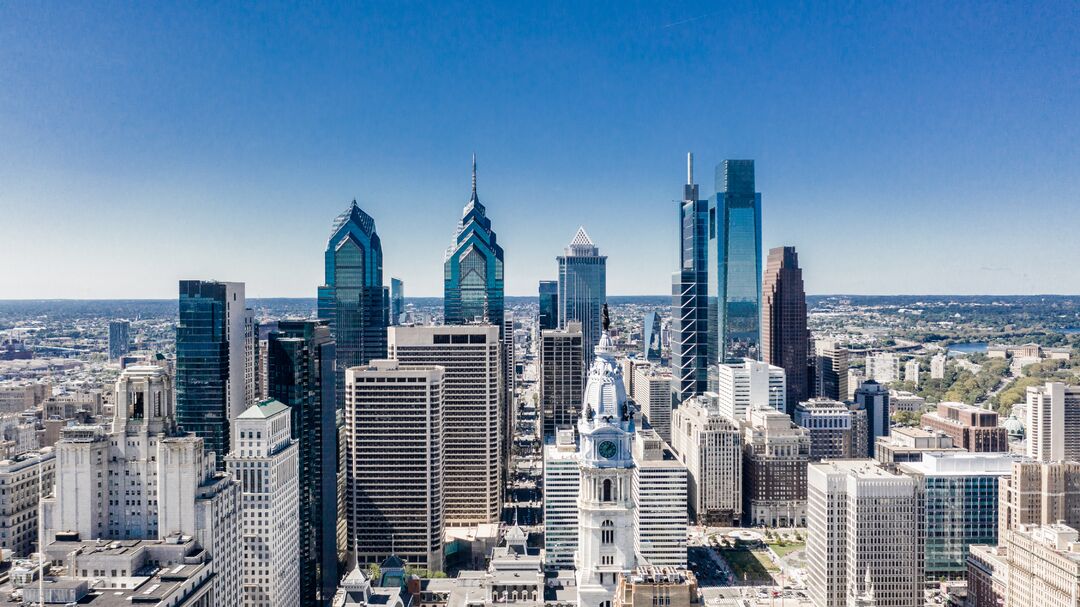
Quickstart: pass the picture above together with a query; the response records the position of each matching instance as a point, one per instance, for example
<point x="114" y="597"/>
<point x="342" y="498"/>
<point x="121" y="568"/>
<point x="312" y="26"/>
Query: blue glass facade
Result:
<point x="960" y="511"/>
<point x="650" y="337"/>
<point x="689" y="297"/>
<point x="397" y="301"/>
<point x="583" y="289"/>
<point x="119" y="338"/>
<point x="734" y="264"/>
<point x="202" y="364"/>
<point x="473" y="269"/>
<point x="300" y="373"/>
<point x="354" y="300"/>
<point x="549" y="304"/>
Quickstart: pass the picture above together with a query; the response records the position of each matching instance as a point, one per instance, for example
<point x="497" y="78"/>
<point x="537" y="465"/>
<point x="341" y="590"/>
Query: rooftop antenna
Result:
<point x="474" y="174"/>
<point x="689" y="168"/>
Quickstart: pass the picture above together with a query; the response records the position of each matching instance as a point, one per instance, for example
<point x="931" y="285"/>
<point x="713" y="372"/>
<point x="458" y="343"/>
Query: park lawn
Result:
<point x="787" y="548"/>
<point x="749" y="566"/>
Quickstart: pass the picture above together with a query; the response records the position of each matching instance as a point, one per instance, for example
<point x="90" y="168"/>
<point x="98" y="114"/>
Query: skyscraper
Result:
<point x="119" y="338"/>
<point x="830" y="371"/>
<point x="1053" y="422"/>
<point x="562" y="378"/>
<point x="734" y="263"/>
<point x="473" y="268"/>
<point x="354" y="299"/>
<point x="785" y="339"/>
<point x="397" y="300"/>
<point x="549" y="304"/>
<point x="689" y="296"/>
<point x="650" y="337"/>
<point x="211" y="365"/>
<point x="746" y="383"/>
<point x="582" y="288"/>
<point x="300" y="373"/>
<point x="873" y="398"/>
<point x="709" y="444"/>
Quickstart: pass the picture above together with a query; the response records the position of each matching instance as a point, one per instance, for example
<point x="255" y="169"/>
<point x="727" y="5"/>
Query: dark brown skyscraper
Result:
<point x="784" y="338"/>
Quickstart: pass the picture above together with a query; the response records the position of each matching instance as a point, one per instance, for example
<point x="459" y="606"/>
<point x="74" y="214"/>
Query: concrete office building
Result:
<point x="21" y="481"/>
<point x="652" y="393"/>
<point x="395" y="421"/>
<point x="562" y="377"/>
<point x="1053" y="422"/>
<point x="709" y="444"/>
<point x="884" y="367"/>
<point x="473" y="380"/>
<point x="659" y="494"/>
<point x="562" y="477"/>
<point x="775" y="455"/>
<point x="1040" y="493"/>
<point x="904" y="445"/>
<point x="829" y="423"/>
<point x="864" y="535"/>
<point x="973" y="428"/>
<point x="830" y="370"/>
<point x="743" y="384"/>
<point x="265" y="460"/>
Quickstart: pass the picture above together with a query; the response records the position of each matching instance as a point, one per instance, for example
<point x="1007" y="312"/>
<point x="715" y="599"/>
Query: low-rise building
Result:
<point x="973" y="428"/>
<point x="658" y="586"/>
<point x="905" y="445"/>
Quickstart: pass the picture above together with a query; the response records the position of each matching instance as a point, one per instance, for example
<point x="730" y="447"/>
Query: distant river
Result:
<point x="968" y="347"/>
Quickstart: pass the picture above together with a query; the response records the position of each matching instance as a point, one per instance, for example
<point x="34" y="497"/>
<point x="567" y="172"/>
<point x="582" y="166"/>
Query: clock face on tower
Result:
<point x="607" y="449"/>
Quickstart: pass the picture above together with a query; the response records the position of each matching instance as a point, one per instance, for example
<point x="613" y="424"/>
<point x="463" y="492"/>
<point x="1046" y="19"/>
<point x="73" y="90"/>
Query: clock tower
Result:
<point x="605" y="500"/>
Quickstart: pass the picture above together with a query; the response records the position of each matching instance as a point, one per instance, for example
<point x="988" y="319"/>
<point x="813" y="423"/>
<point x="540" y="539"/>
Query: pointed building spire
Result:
<point x="474" y="174"/>
<point x="689" y="168"/>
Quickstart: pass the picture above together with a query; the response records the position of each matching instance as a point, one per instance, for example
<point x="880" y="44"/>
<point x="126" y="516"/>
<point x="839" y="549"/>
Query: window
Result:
<point x="607" y="533"/>
<point x="606" y="494"/>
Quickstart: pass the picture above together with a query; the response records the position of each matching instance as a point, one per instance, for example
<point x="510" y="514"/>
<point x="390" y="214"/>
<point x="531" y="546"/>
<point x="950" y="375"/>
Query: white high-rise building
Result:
<point x="395" y="419"/>
<point x="562" y="478"/>
<point x="884" y="367"/>
<point x="21" y="478"/>
<point x="748" y="383"/>
<point x="265" y="460"/>
<point x="660" y="502"/>
<point x="145" y="480"/>
<point x="911" y="371"/>
<point x="473" y="378"/>
<point x="937" y="366"/>
<point x="606" y="542"/>
<point x="652" y="393"/>
<point x="709" y="444"/>
<point x="864" y="536"/>
<point x="252" y="383"/>
<point x="1053" y="422"/>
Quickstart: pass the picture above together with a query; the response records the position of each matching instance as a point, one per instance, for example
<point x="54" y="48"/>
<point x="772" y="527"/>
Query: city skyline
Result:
<point x="908" y="114"/>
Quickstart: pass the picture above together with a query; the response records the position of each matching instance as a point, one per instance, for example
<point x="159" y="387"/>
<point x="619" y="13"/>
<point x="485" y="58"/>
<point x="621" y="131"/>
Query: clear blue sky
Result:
<point x="902" y="147"/>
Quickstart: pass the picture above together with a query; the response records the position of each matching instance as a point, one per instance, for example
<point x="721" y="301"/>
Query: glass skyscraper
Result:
<point x="650" y="337"/>
<point x="119" y="338"/>
<point x="689" y="296"/>
<point x="473" y="268"/>
<point x="549" y="304"/>
<point x="354" y="300"/>
<point x="397" y="300"/>
<point x="583" y="289"/>
<point x="300" y="373"/>
<point x="734" y="264"/>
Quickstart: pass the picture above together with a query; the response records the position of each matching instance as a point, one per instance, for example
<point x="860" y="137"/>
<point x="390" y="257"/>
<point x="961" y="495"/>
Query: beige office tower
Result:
<point x="562" y="377"/>
<point x="776" y="452"/>
<point x="264" y="458"/>
<point x="830" y="370"/>
<point x="864" y="536"/>
<point x="659" y="494"/>
<point x="709" y="444"/>
<point x="394" y="424"/>
<point x="1039" y="493"/>
<point x="469" y="355"/>
<point x="1053" y="422"/>
<point x="652" y="393"/>
<point x="1043" y="563"/>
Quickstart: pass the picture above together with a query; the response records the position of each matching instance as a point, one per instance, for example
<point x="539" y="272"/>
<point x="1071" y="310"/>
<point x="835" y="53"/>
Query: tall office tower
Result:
<point x="911" y="372"/>
<point x="252" y="394"/>
<point x="262" y="335"/>
<point x="211" y="361"/>
<point x="734" y="264"/>
<point x="785" y="340"/>
<point x="650" y="337"/>
<point x="629" y="369"/>
<point x="709" y="444"/>
<point x="1043" y="566"/>
<point x="582" y="288"/>
<point x="508" y="418"/>
<point x="469" y="355"/>
<point x="397" y="300"/>
<point x="958" y="496"/>
<point x="549" y="304"/>
<point x="746" y="383"/>
<point x="606" y="542"/>
<point x="119" y="338"/>
<point x="830" y="427"/>
<point x="473" y="268"/>
<point x="689" y="296"/>
<point x="883" y="367"/>
<point x="300" y="374"/>
<point x="264" y="459"/>
<point x="1040" y="493"/>
<point x="652" y="393"/>
<point x="169" y="482"/>
<point x="830" y="371"/>
<point x="354" y="299"/>
<point x="1053" y="422"/>
<point x="24" y="478"/>
<point x="562" y="478"/>
<point x="775" y="454"/>
<point x="971" y="427"/>
<point x="864" y="535"/>
<point x="659" y="488"/>
<point x="395" y="418"/>
<point x="873" y="398"/>
<point x="562" y="377"/>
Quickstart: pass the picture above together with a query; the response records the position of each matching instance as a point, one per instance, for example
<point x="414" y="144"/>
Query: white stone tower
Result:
<point x="605" y="499"/>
